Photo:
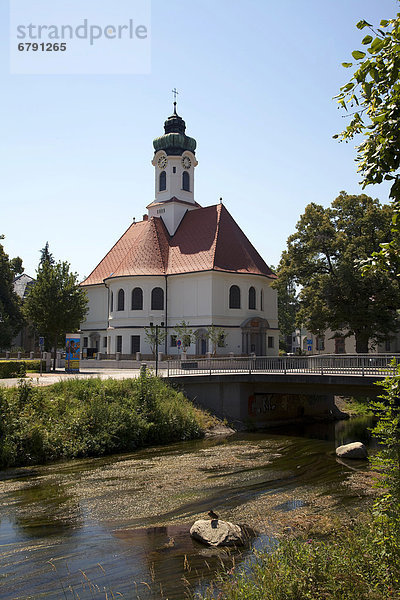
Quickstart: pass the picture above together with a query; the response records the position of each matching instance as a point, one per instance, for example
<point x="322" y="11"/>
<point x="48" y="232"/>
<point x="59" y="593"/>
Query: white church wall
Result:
<point x="222" y="283"/>
<point x="189" y="298"/>
<point x="97" y="307"/>
<point x="172" y="215"/>
<point x="200" y="299"/>
<point x="128" y="316"/>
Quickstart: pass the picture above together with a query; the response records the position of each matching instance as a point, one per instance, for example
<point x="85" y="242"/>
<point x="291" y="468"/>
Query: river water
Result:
<point x="118" y="526"/>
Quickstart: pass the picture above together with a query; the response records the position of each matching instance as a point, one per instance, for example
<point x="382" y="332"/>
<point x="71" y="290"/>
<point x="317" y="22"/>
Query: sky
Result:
<point x="256" y="81"/>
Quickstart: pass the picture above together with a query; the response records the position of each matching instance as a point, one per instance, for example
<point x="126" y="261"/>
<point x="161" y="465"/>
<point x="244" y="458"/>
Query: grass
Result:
<point x="358" y="406"/>
<point x="351" y="565"/>
<point x="83" y="418"/>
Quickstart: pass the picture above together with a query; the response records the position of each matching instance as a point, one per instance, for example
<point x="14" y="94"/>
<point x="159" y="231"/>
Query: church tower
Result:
<point x="174" y="163"/>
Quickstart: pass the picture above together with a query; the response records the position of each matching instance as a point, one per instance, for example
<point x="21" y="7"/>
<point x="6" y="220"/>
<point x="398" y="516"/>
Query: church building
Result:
<point x="182" y="262"/>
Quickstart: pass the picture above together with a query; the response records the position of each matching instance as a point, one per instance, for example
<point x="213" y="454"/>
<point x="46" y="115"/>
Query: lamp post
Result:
<point x="157" y="326"/>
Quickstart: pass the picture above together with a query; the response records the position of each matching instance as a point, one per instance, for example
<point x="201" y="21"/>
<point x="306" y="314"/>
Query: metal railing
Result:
<point x="327" y="364"/>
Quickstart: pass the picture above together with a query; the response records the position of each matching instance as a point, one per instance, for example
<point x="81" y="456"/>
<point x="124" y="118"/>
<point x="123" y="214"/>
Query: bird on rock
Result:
<point x="213" y="515"/>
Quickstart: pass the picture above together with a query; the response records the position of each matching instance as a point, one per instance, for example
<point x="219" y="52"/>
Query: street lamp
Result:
<point x="157" y="326"/>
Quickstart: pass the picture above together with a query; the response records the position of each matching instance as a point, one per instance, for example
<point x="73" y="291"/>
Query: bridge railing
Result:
<point x="324" y="364"/>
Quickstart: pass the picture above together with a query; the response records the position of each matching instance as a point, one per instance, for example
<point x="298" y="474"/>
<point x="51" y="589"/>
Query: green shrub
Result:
<point x="349" y="566"/>
<point x="12" y="368"/>
<point x="33" y="366"/>
<point x="78" y="418"/>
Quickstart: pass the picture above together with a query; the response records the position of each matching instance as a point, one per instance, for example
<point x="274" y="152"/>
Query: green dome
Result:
<point x="174" y="141"/>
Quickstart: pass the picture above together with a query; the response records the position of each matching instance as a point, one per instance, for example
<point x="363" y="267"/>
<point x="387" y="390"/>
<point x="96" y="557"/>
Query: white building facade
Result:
<point x="334" y="342"/>
<point x="183" y="262"/>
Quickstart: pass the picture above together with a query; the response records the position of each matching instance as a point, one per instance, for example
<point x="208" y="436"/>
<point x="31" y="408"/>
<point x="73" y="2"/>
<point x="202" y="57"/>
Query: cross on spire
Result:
<point x="175" y="93"/>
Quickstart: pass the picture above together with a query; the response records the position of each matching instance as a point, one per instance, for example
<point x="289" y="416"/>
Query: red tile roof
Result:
<point x="206" y="239"/>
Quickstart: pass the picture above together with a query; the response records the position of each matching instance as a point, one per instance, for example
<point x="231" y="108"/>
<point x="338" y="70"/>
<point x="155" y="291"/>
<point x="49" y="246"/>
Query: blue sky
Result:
<point x="256" y="81"/>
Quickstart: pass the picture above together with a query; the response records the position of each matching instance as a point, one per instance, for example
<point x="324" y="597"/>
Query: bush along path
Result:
<point x="80" y="418"/>
<point x="19" y="368"/>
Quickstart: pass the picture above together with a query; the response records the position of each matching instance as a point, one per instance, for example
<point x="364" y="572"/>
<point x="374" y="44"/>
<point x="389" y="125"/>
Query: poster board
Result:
<point x="73" y="352"/>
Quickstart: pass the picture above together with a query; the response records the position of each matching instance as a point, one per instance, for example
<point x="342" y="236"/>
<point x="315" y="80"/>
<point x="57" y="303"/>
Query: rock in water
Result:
<point x="217" y="533"/>
<point x="353" y="450"/>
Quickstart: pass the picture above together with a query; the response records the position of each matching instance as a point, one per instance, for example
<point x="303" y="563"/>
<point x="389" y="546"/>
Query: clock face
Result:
<point x="162" y="162"/>
<point x="186" y="162"/>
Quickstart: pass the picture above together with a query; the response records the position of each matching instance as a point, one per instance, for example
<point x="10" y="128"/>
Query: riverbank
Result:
<point x="131" y="513"/>
<point x="354" y="406"/>
<point x="83" y="418"/>
<point x="342" y="559"/>
<point x="350" y="565"/>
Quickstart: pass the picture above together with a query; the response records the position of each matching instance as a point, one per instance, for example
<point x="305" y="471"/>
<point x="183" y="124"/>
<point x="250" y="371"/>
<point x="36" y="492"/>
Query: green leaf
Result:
<point x="368" y="88"/>
<point x="374" y="74"/>
<point x="384" y="23"/>
<point x="367" y="40"/>
<point x="357" y="54"/>
<point x="376" y="45"/>
<point x="347" y="65"/>
<point x="347" y="87"/>
<point x="362" y="24"/>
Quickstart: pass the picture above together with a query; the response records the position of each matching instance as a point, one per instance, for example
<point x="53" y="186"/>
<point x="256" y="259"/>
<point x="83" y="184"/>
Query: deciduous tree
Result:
<point x="288" y="304"/>
<point x="217" y="337"/>
<point x="323" y="257"/>
<point x="155" y="336"/>
<point x="11" y="318"/>
<point x="185" y="333"/>
<point x="372" y="100"/>
<point x="56" y="304"/>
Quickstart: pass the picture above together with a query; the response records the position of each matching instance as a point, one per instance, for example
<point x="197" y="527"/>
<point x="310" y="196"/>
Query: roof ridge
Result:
<point x="219" y="210"/>
<point x="155" y="227"/>
<point x="109" y="252"/>
<point x="129" y="249"/>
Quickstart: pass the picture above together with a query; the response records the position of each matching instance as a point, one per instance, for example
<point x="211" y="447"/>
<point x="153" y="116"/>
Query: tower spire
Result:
<point x="175" y="93"/>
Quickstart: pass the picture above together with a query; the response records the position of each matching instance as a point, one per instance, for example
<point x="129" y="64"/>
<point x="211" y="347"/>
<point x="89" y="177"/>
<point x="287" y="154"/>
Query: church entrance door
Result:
<point x="201" y="342"/>
<point x="254" y="333"/>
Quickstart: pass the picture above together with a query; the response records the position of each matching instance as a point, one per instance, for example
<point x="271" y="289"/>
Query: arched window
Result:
<point x="252" y="297"/>
<point x="137" y="299"/>
<point x="112" y="302"/>
<point x="234" y="297"/>
<point x="157" y="299"/>
<point x="186" y="181"/>
<point x="121" y="300"/>
<point x="163" y="181"/>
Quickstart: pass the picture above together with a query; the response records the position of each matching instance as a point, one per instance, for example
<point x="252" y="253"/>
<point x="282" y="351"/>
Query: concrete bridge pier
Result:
<point x="258" y="403"/>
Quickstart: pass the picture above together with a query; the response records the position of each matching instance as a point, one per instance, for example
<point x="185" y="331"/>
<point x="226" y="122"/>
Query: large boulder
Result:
<point x="217" y="533"/>
<point x="353" y="450"/>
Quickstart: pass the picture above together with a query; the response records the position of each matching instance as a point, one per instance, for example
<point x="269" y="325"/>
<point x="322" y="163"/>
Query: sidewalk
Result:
<point x="61" y="375"/>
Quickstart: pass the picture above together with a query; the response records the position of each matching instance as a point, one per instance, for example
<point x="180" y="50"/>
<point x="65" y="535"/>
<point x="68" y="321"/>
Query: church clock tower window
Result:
<point x="163" y="181"/>
<point x="186" y="181"/>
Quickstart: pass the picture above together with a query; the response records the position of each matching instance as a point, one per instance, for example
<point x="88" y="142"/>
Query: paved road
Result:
<point x="60" y="375"/>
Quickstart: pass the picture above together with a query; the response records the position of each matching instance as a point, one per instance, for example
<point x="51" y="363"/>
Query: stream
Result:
<point x="118" y="527"/>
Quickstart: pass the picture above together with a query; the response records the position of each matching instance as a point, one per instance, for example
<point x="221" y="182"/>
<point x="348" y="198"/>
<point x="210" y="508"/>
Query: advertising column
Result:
<point x="73" y="350"/>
